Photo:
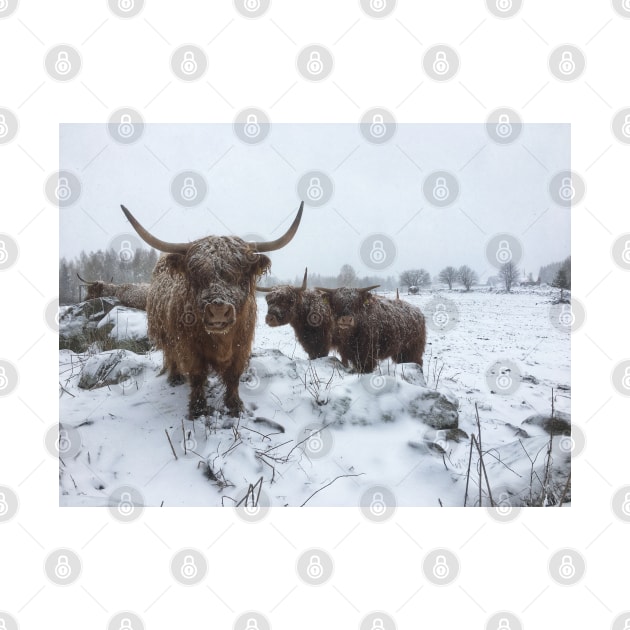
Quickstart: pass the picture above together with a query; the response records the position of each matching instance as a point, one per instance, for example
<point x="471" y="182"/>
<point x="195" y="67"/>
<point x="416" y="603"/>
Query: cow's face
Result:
<point x="281" y="303"/>
<point x="222" y="271"/>
<point x="346" y="305"/>
<point x="94" y="290"/>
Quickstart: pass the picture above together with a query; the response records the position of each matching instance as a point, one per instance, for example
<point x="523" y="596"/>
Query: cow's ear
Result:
<point x="262" y="264"/>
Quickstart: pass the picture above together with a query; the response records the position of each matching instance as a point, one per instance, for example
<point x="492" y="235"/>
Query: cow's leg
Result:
<point x="198" y="404"/>
<point x="232" y="378"/>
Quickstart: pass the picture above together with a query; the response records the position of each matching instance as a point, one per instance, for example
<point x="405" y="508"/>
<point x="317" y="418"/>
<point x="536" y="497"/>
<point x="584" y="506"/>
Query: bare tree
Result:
<point x="347" y="276"/>
<point x="509" y="273"/>
<point x="467" y="276"/>
<point x="415" y="278"/>
<point x="448" y="275"/>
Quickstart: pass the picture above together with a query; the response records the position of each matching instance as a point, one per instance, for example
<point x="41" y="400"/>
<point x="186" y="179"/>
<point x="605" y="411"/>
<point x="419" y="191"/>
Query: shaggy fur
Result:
<point x="307" y="312"/>
<point x="134" y="295"/>
<point x="370" y="329"/>
<point x="185" y="288"/>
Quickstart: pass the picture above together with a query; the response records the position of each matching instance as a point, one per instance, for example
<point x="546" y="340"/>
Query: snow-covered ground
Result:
<point x="319" y="435"/>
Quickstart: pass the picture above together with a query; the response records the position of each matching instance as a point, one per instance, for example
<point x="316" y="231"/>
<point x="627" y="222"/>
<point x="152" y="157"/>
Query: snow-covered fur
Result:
<point x="129" y="294"/>
<point x="307" y="313"/>
<point x="370" y="329"/>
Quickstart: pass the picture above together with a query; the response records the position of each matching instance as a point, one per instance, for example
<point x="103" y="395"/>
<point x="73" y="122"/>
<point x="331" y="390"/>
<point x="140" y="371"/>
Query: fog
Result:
<point x="252" y="191"/>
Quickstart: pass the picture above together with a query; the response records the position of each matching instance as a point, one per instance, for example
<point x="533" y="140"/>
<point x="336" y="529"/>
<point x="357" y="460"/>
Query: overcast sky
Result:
<point x="252" y="190"/>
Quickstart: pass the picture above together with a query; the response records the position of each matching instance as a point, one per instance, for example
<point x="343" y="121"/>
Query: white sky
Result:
<point x="252" y="190"/>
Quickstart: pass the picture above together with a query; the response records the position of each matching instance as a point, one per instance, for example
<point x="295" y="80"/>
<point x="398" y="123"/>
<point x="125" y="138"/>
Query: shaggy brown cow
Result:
<point x="371" y="328"/>
<point x="201" y="308"/>
<point x="306" y="311"/>
<point x="134" y="295"/>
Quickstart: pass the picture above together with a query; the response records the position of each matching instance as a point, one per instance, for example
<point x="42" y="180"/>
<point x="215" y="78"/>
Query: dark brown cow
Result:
<point x="129" y="294"/>
<point x="306" y="311"/>
<point x="370" y="328"/>
<point x="201" y="308"/>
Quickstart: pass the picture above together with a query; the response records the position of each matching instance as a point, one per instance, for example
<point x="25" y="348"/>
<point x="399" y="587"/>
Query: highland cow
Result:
<point x="201" y="308"/>
<point x="129" y="294"/>
<point x="306" y="311"/>
<point x="370" y="328"/>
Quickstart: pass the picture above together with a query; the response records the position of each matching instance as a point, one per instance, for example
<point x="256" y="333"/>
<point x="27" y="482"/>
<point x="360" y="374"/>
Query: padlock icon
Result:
<point x="189" y="64"/>
<point x="125" y="505"/>
<point x="377" y="624"/>
<point x="504" y="5"/>
<point x="252" y="128"/>
<point x="4" y="381"/>
<point x="126" y="253"/>
<point x="567" y="568"/>
<point x="4" y="254"/>
<point x="625" y="255"/>
<point x="378" y="5"/>
<point x="567" y="63"/>
<point x="625" y="128"/>
<point x="4" y="506"/>
<point x="4" y="5"/>
<point x="503" y="506"/>
<point x="626" y="5"/>
<point x="625" y="506"/>
<point x="504" y="126"/>
<point x="566" y="316"/>
<point x="253" y="380"/>
<point x="63" y="190"/>
<point x="314" y="441"/>
<point x="440" y="189"/>
<point x="314" y="64"/>
<point x="125" y="126"/>
<point x="567" y="444"/>
<point x="189" y="568"/>
<point x="504" y="624"/>
<point x="440" y="568"/>
<point x="315" y="570"/>
<point x="126" y="5"/>
<point x="251" y="510"/>
<point x="440" y="63"/>
<point x="315" y="191"/>
<point x="125" y="624"/>
<point x="625" y="381"/>
<point x="252" y="624"/>
<point x="566" y="191"/>
<point x="504" y="253"/>
<point x="63" y="570"/>
<point x="378" y="128"/>
<point x="378" y="255"/>
<point x="64" y="443"/>
<point x="62" y="64"/>
<point x="4" y="128"/>
<point x="189" y="189"/>
<point x="3" y="625"/>
<point x="626" y="625"/>
<point x="504" y="380"/>
<point x="252" y="5"/>
<point x="378" y="505"/>
<point x="440" y="316"/>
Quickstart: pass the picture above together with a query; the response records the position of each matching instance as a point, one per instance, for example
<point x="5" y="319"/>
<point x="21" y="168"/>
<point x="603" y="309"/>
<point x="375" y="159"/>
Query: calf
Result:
<point x="134" y="295"/>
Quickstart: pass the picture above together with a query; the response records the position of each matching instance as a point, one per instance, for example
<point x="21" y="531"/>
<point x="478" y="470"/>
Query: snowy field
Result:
<point x="315" y="434"/>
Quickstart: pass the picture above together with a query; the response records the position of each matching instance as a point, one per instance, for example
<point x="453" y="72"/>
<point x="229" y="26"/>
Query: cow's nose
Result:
<point x="346" y="320"/>
<point x="219" y="312"/>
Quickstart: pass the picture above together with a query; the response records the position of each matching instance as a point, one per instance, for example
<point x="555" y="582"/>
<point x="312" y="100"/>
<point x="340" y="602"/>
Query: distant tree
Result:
<point x="415" y="278"/>
<point x="467" y="276"/>
<point x="510" y="274"/>
<point x="448" y="275"/>
<point x="347" y="276"/>
<point x="562" y="279"/>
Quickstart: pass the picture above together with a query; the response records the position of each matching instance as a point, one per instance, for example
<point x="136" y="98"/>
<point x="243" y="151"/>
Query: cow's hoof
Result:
<point x="175" y="379"/>
<point x="234" y="407"/>
<point x="198" y="409"/>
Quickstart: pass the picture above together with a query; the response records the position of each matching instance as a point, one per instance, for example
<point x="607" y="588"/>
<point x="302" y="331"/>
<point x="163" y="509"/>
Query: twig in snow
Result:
<point x="168" y="437"/>
<point x="329" y="484"/>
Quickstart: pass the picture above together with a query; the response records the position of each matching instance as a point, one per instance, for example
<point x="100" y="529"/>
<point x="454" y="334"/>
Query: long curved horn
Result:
<point x="374" y="286"/>
<point x="303" y="287"/>
<point x="329" y="291"/>
<point x="264" y="289"/>
<point x="270" y="246"/>
<point x="163" y="246"/>
<point x="86" y="281"/>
